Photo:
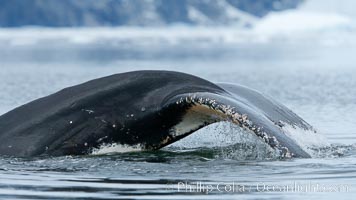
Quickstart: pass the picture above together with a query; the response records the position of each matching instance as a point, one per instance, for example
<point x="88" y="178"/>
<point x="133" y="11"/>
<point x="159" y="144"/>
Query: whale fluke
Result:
<point x="150" y="109"/>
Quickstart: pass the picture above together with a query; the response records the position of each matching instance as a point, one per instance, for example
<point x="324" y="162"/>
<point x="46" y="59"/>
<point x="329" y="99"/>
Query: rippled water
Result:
<point x="314" y="76"/>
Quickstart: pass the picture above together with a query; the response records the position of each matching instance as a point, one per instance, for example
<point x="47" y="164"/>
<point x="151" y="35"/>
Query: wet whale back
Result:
<point x="80" y="112"/>
<point x="147" y="108"/>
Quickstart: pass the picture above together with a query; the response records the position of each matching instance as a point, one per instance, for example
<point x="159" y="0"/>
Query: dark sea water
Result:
<point x="312" y="74"/>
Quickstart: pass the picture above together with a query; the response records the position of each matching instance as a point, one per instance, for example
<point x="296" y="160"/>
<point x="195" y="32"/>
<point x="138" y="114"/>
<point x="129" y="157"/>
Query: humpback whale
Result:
<point x="151" y="109"/>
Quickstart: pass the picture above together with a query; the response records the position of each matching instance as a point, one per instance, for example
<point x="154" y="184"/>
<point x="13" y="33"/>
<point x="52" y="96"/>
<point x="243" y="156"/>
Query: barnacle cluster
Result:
<point x="230" y="114"/>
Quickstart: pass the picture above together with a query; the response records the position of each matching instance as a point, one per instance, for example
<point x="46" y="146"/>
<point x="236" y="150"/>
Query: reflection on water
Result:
<point x="193" y="174"/>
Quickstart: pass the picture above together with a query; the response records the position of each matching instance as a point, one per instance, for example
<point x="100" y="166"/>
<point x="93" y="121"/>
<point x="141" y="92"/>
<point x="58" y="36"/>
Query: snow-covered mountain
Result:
<point x="64" y="13"/>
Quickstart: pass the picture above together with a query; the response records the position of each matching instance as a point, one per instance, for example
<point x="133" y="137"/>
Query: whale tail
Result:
<point x="150" y="109"/>
<point x="247" y="108"/>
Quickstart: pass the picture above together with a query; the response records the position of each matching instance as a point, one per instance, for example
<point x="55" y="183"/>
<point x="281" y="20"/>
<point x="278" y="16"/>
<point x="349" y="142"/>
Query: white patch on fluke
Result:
<point x="115" y="148"/>
<point x="195" y="118"/>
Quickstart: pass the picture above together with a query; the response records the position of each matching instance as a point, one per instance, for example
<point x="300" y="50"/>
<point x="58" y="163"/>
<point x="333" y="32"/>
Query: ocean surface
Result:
<point x="303" y="58"/>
